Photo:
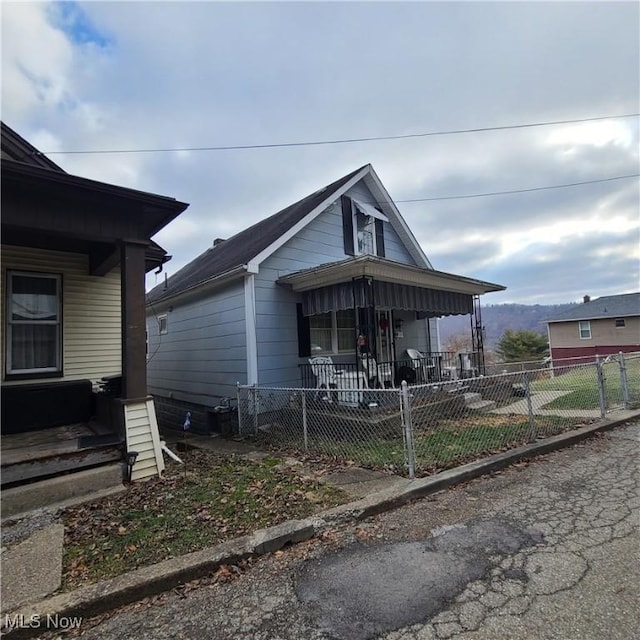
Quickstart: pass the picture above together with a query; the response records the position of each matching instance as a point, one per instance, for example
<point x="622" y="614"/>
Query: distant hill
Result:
<point x="497" y="318"/>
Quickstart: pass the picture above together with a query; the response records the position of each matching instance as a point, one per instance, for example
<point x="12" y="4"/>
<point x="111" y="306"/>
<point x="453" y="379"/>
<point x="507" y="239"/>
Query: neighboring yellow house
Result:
<point x="75" y="253"/>
<point x="603" y="326"/>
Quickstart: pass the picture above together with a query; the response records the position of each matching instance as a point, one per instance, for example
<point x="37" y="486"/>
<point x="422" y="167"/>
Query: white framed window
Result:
<point x="34" y="323"/>
<point x="332" y="332"/>
<point x="620" y="323"/>
<point x="163" y="324"/>
<point x="364" y="229"/>
<point x="585" y="329"/>
<point x="365" y="235"/>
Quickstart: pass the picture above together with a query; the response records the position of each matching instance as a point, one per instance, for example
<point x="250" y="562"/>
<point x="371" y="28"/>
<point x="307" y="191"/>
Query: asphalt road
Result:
<point x="544" y="550"/>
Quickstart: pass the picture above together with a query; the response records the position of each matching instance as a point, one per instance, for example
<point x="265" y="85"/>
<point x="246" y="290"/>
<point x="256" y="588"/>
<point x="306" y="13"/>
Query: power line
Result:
<point x="501" y="193"/>
<point x="345" y="140"/>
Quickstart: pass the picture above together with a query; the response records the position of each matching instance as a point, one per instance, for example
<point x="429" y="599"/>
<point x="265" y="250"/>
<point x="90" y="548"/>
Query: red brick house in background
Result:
<point x="603" y="326"/>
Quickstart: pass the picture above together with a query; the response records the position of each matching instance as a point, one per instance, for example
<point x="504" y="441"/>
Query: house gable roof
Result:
<point x="619" y="306"/>
<point x="45" y="207"/>
<point x="247" y="249"/>
<point x="15" y="147"/>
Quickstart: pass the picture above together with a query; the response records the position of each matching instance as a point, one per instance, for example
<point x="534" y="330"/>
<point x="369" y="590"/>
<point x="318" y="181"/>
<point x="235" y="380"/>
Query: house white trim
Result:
<point x="387" y="270"/>
<point x="395" y="218"/>
<point x="390" y="212"/>
<point x="370" y="210"/>
<point x="198" y="289"/>
<point x="250" y="329"/>
<point x="254" y="264"/>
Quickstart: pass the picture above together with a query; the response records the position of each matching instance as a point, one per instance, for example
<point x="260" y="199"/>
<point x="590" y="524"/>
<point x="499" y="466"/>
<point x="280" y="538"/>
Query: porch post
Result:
<point x="134" y="365"/>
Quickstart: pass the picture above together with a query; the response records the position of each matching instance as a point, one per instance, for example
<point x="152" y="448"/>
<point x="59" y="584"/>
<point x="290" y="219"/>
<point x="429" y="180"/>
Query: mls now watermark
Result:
<point x="51" y="621"/>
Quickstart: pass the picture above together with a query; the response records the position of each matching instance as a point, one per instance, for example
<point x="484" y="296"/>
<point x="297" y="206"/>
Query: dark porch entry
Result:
<point x="53" y="428"/>
<point x="37" y="455"/>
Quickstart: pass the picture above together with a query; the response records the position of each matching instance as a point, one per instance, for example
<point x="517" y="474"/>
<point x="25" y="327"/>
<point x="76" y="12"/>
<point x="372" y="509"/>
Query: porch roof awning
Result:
<point x="396" y="285"/>
<point x="387" y="271"/>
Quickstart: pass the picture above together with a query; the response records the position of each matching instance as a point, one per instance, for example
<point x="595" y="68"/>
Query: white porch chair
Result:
<point x="325" y="372"/>
<point x="380" y="374"/>
<point x="420" y="364"/>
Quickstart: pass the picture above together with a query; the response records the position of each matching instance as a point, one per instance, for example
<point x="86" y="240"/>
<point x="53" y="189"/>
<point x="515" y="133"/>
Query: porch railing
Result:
<point x="442" y="366"/>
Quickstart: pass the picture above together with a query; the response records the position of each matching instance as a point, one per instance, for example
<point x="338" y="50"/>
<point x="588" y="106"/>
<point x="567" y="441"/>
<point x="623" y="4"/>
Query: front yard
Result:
<point x="213" y="500"/>
<point x="448" y="443"/>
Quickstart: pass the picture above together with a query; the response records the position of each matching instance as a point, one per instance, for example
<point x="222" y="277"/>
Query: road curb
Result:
<point x="147" y="581"/>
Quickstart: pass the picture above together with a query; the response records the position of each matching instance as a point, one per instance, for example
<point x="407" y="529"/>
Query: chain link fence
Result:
<point x="420" y="429"/>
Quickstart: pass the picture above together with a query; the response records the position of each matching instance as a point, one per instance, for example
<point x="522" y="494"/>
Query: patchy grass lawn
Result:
<point x="581" y="382"/>
<point x="451" y="443"/>
<point x="215" y="500"/>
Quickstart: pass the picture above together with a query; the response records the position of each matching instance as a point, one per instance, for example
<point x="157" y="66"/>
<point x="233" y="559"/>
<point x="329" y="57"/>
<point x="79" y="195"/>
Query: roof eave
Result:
<point x="258" y="259"/>
<point x="609" y="316"/>
<point x="389" y="271"/>
<point x="201" y="287"/>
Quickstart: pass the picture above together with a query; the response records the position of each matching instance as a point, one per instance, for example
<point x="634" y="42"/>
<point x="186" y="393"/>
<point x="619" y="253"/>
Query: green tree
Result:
<point x="520" y="346"/>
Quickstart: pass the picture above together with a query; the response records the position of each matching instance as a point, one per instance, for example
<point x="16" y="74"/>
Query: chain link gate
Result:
<point x="620" y="381"/>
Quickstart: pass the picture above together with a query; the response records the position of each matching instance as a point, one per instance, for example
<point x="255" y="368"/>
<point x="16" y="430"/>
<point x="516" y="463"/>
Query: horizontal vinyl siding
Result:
<point x="142" y="437"/>
<point x="90" y="311"/>
<point x="603" y="333"/>
<point x="203" y="355"/>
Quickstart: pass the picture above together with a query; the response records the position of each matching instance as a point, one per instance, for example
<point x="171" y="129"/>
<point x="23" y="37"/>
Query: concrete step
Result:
<point x="61" y="489"/>
<point x="470" y="398"/>
<point x="482" y="405"/>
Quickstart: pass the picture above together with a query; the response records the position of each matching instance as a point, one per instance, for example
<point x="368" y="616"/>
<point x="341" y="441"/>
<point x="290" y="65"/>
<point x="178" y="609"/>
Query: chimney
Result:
<point x="586" y="299"/>
<point x="218" y="241"/>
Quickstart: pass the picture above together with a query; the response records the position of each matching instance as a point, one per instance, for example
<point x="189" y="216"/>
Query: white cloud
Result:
<point x="597" y="134"/>
<point x="138" y="75"/>
<point x="35" y="60"/>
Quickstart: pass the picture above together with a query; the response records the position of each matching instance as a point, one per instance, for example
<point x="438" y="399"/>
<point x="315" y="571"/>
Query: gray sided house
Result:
<point x="336" y="274"/>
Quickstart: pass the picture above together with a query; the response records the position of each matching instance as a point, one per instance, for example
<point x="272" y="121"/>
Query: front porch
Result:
<point x="50" y="429"/>
<point x="372" y="322"/>
<point x="421" y="368"/>
<point x="41" y="454"/>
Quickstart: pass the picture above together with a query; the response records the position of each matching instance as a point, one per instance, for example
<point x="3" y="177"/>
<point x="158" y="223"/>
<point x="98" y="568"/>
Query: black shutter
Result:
<point x="379" y="238"/>
<point x="347" y="225"/>
<point x="304" y="333"/>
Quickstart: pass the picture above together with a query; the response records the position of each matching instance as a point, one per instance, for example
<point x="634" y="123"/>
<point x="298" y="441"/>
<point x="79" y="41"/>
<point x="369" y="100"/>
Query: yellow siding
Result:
<point x="90" y="311"/>
<point x="143" y="437"/>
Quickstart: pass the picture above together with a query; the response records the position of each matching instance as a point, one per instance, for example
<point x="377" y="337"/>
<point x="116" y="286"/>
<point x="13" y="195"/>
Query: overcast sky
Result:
<point x="137" y="75"/>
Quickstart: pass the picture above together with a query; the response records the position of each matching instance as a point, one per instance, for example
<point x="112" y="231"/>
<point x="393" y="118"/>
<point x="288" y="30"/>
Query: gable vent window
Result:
<point x="366" y="235"/>
<point x="363" y="228"/>
<point x="163" y="325"/>
<point x="620" y="324"/>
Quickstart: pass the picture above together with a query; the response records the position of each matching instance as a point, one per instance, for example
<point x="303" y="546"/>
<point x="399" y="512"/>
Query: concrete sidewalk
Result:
<point x="377" y="493"/>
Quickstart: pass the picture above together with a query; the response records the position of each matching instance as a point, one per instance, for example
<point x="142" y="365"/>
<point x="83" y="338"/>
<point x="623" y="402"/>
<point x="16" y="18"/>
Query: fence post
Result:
<point x="239" y="408"/>
<point x="532" y="420"/>
<point x="254" y="392"/>
<point x="304" y="421"/>
<point x="601" y="393"/>
<point x="624" y="382"/>
<point x="405" y="405"/>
